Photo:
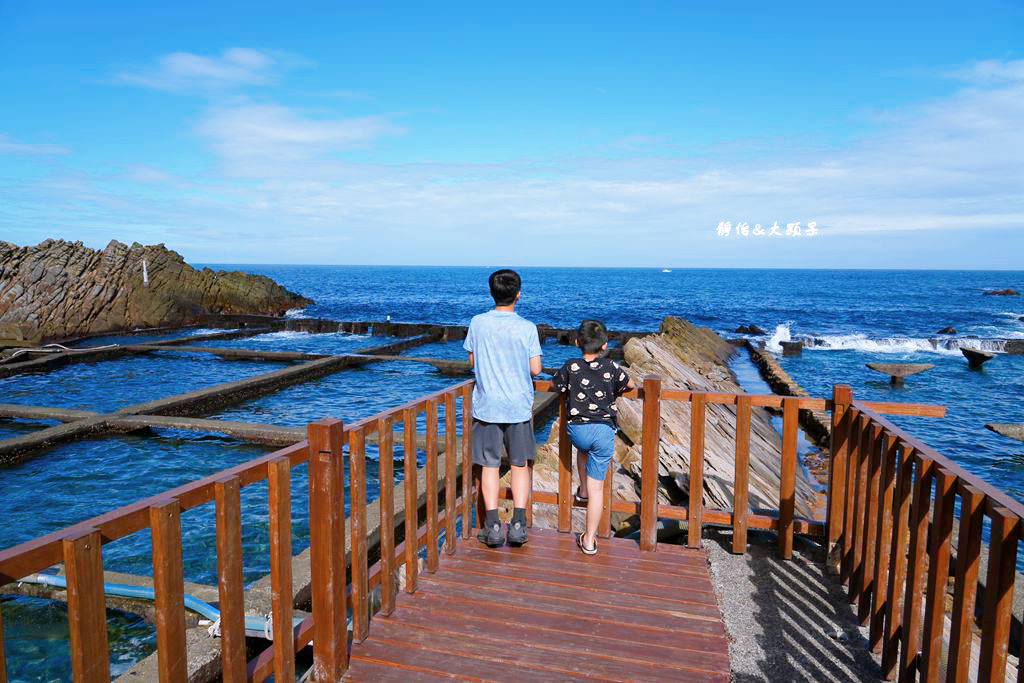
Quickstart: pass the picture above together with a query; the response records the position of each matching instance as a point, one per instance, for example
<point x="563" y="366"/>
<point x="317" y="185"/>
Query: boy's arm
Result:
<point x="533" y="348"/>
<point x="471" y="360"/>
<point x="535" y="365"/>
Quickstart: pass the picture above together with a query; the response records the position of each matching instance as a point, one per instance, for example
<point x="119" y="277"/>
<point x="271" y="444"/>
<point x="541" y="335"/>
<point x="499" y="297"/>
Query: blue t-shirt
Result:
<point x="502" y="344"/>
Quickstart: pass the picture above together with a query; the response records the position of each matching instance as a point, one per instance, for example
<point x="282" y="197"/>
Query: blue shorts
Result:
<point x="598" y="440"/>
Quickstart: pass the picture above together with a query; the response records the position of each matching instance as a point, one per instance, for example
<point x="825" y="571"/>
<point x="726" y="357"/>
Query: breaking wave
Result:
<point x="862" y="342"/>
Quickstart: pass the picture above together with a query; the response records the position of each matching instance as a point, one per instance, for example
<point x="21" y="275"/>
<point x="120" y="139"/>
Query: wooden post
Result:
<point x="910" y="640"/>
<point x="898" y="552"/>
<point x="279" y="479"/>
<point x="411" y="500"/>
<point x="357" y="527"/>
<point x="695" y="518"/>
<point x="169" y="590"/>
<point x="564" y="467"/>
<point x="3" y="656"/>
<point x="741" y="490"/>
<point x="431" y="476"/>
<point x="842" y="396"/>
<point x="874" y="484"/>
<point x="230" y="579"/>
<point x="787" y="480"/>
<point x="860" y="505"/>
<point x="327" y="549"/>
<point x="995" y="627"/>
<point x="938" y="574"/>
<point x="387" y="514"/>
<point x="449" y="473"/>
<point x="883" y="541"/>
<point x="968" y="556"/>
<point x="87" y="608"/>
<point x="605" y="529"/>
<point x="649" y="461"/>
<point x="467" y="461"/>
<point x="852" y="432"/>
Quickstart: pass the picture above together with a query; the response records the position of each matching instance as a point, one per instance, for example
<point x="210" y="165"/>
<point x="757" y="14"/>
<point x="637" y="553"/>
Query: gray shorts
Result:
<point x="489" y="438"/>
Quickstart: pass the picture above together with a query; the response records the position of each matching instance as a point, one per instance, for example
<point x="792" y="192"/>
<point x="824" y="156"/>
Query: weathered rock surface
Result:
<point x="64" y="289"/>
<point x="1002" y="292"/>
<point x="1013" y="431"/>
<point x="900" y="370"/>
<point x="976" y="358"/>
<point x="750" y="329"/>
<point x="686" y="357"/>
<point x="947" y="330"/>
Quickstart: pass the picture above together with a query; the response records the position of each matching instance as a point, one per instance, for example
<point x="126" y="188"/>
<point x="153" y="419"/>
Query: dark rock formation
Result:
<point x="1002" y="292"/>
<point x="792" y="348"/>
<point x="1013" y="431"/>
<point x="975" y="358"/>
<point x="750" y="329"/>
<point x="62" y="289"/>
<point x="947" y="330"/>
<point x="897" y="371"/>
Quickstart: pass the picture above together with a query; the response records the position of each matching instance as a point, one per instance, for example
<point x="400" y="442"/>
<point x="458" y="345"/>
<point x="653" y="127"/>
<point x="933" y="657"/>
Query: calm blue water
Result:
<point x="849" y="317"/>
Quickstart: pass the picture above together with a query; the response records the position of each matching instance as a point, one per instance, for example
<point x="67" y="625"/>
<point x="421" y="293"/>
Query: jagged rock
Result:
<point x="947" y="330"/>
<point x="750" y="329"/>
<point x="897" y="371"/>
<point x="1002" y="292"/>
<point x="792" y="348"/>
<point x="1013" y="431"/>
<point x="975" y="358"/>
<point x="686" y="357"/>
<point x="64" y="289"/>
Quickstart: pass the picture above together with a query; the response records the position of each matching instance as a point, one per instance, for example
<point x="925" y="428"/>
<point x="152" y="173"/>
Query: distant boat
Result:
<point x="666" y="270"/>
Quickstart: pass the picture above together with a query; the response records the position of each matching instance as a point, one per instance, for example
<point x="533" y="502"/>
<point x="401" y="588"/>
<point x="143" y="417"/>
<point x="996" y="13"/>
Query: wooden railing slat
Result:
<point x="467" y="462"/>
<point x="649" y="449"/>
<point x="842" y="395"/>
<point x="564" y="467"/>
<point x="357" y="524"/>
<point x="449" y="472"/>
<point x="327" y="549"/>
<point x="3" y="654"/>
<point x="387" y="514"/>
<point x="431" y="476"/>
<point x="968" y="556"/>
<point x="862" y="460"/>
<point x="279" y="498"/>
<point x="169" y="590"/>
<point x="902" y="498"/>
<point x="995" y="628"/>
<point x="874" y="483"/>
<point x="696" y="521"/>
<point x="741" y="488"/>
<point x="852" y="431"/>
<point x="604" y="530"/>
<point x="938" y="575"/>
<point x="787" y="476"/>
<point x="411" y="500"/>
<point x="883" y="541"/>
<point x="910" y="640"/>
<point x="230" y="579"/>
<point x="87" y="608"/>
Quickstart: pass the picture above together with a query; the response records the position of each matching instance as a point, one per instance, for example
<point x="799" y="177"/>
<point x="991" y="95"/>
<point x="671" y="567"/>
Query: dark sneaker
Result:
<point x="491" y="536"/>
<point x="516" y="533"/>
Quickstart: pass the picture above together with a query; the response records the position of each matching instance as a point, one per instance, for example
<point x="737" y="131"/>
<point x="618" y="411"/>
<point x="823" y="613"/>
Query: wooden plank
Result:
<point x="564" y="467"/>
<point x="649" y="461"/>
<point x="230" y="579"/>
<point x="694" y="524"/>
<point x="387" y="514"/>
<point x="411" y="499"/>
<point x="279" y="478"/>
<point x="883" y="541"/>
<point x="874" y="483"/>
<point x="604" y="529"/>
<point x="87" y="608"/>
<point x="839" y="445"/>
<point x="169" y="590"/>
<point x="912" y="409"/>
<point x="431" y="472"/>
<point x="327" y="547"/>
<point x="787" y="477"/>
<point x="741" y="488"/>
<point x="938" y="575"/>
<point x="467" y="459"/>
<point x="853" y="441"/>
<point x="357" y="524"/>
<point x="910" y="639"/>
<point x="449" y="472"/>
<point x="898" y="552"/>
<point x="995" y="627"/>
<point x="3" y="655"/>
<point x="860" y="506"/>
<point x="968" y="559"/>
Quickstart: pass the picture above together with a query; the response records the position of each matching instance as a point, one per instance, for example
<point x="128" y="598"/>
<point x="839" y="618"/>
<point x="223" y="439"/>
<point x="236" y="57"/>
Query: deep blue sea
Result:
<point x="848" y="318"/>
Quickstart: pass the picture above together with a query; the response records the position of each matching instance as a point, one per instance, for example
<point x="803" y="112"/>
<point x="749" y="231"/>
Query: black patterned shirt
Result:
<point x="592" y="388"/>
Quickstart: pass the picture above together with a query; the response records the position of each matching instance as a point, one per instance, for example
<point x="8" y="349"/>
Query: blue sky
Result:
<point x="598" y="133"/>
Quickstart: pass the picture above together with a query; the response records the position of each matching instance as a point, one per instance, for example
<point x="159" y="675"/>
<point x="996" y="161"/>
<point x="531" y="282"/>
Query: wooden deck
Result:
<point x="547" y="612"/>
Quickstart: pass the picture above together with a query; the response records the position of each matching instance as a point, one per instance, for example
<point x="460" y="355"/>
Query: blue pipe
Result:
<point x="254" y="626"/>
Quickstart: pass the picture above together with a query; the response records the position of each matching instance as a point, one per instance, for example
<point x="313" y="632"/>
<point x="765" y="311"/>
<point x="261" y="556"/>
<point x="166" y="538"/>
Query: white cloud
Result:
<point x="187" y="72"/>
<point x="991" y="71"/>
<point x="9" y="146"/>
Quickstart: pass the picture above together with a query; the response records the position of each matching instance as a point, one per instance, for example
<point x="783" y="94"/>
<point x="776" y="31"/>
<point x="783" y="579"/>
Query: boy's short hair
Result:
<point x="505" y="285"/>
<point x="591" y="336"/>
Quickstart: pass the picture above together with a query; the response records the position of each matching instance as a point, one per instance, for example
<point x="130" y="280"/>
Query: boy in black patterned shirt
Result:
<point x="592" y="385"/>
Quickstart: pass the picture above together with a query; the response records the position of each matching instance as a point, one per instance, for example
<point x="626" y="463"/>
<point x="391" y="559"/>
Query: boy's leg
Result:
<point x="601" y="452"/>
<point x="521" y="448"/>
<point x="595" y="506"/>
<point x="520" y="486"/>
<point x="581" y="467"/>
<point x="489" y="481"/>
<point x="487" y="442"/>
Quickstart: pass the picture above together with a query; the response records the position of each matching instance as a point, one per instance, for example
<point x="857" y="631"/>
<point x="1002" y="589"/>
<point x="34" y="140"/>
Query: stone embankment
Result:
<point x="59" y="289"/>
<point x="688" y="358"/>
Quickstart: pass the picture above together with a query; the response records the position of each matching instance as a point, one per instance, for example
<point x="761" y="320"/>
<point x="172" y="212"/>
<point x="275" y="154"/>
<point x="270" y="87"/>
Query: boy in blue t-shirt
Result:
<point x="504" y="351"/>
<point x="592" y="385"/>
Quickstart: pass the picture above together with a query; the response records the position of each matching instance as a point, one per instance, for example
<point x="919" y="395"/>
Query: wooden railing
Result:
<point x="847" y="523"/>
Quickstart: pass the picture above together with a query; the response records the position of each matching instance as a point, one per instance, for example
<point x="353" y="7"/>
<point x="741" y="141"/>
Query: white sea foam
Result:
<point x="949" y="346"/>
<point x="209" y="330"/>
<point x="295" y="313"/>
<point x="781" y="334"/>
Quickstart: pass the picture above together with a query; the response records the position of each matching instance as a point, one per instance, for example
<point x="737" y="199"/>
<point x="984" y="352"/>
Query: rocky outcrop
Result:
<point x="1002" y="292"/>
<point x="750" y="329"/>
<point x="64" y="289"/>
<point x="816" y="424"/>
<point x="947" y="330"/>
<point x="686" y="357"/>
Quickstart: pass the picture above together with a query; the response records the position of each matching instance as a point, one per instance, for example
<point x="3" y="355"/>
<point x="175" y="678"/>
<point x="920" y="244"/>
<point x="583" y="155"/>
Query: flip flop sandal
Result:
<point x="586" y="551"/>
